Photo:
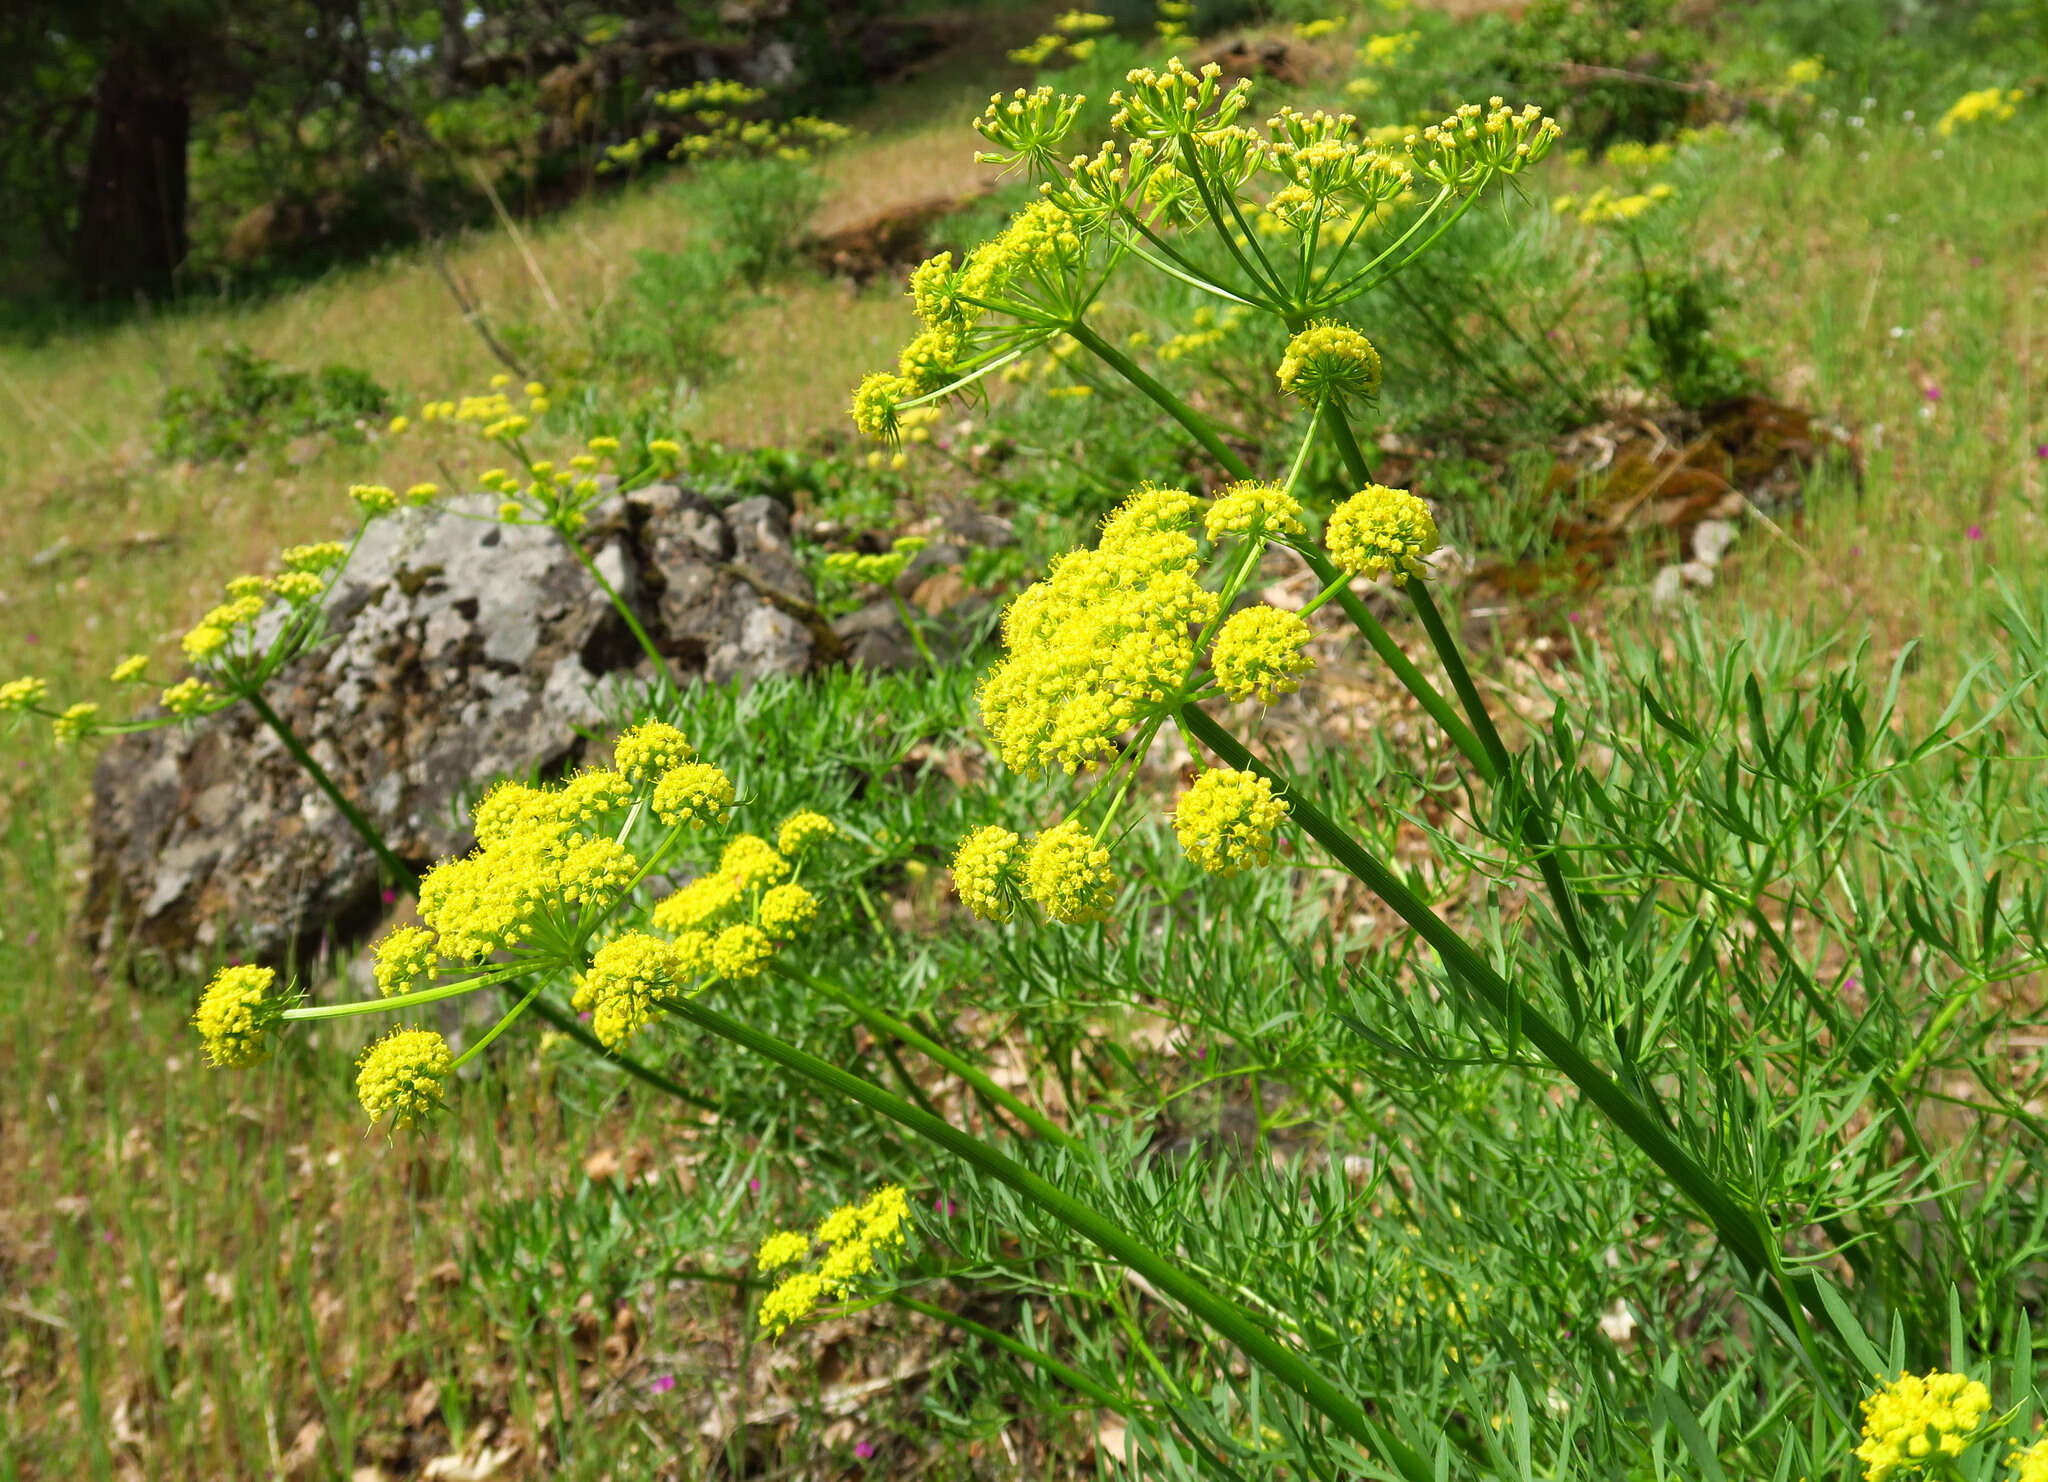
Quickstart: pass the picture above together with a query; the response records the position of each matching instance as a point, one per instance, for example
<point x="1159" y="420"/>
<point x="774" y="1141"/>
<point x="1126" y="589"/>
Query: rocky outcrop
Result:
<point x="458" y="651"/>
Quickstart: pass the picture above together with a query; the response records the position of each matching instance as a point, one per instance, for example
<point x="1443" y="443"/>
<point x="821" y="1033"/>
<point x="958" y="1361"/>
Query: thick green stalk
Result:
<point x="1738" y="1226"/>
<point x="1287" y="1366"/>
<point x="1531" y="827"/>
<point x="931" y="1049"/>
<point x="1432" y="699"/>
<point x="398" y="873"/>
<point x="620" y="606"/>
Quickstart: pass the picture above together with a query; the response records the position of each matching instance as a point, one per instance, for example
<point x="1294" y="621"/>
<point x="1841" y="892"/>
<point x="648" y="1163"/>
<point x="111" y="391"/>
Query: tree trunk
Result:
<point x="131" y="214"/>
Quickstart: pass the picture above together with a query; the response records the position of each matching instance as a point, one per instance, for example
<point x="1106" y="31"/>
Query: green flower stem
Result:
<point x="1440" y="709"/>
<point x="910" y="627"/>
<point x="1197" y="425"/>
<point x="1532" y="828"/>
<point x="1286" y="1365"/>
<point x="564" y="1022"/>
<point x="1738" y="1226"/>
<point x="404" y="1000"/>
<point x="1432" y="699"/>
<point x="396" y="870"/>
<point x="498" y="1028"/>
<point x="619" y="603"/>
<point x="931" y="1049"/>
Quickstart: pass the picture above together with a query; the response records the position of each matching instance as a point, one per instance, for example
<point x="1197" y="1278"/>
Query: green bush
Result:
<point x="253" y="402"/>
<point x="760" y="212"/>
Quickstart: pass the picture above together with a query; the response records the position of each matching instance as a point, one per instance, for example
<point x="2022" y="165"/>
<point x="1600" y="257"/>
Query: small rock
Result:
<point x="459" y="651"/>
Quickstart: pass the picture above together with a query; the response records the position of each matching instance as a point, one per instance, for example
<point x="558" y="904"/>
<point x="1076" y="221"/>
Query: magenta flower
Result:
<point x="1933" y="393"/>
<point x="1975" y="532"/>
<point x="864" y="1449"/>
<point x="661" y="1384"/>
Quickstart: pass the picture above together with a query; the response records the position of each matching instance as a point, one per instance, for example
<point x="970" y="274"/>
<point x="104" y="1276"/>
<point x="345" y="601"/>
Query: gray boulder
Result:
<point x="459" y="650"/>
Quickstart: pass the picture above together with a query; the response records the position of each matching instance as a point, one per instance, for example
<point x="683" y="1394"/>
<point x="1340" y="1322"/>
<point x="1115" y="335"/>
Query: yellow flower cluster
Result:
<point x="402" y="957"/>
<point x="25" y="693"/>
<point x="2031" y="1464"/>
<point x="402" y="1076"/>
<point x="1996" y="104"/>
<point x="880" y="570"/>
<point x="650" y="750"/>
<point x="1380" y="530"/>
<point x="985" y="869"/>
<point x="803" y="831"/>
<point x="1917" y="1419"/>
<point x="1067" y="872"/>
<point x="129" y="669"/>
<point x="1254" y="509"/>
<point x="1329" y="361"/>
<point x="187" y="697"/>
<point x="695" y="793"/>
<point x="627" y="976"/>
<point x="76" y="723"/>
<point x="1177" y="102"/>
<point x="742" y="908"/>
<point x="235" y="1013"/>
<point x="1259" y="651"/>
<point x="1226" y="821"/>
<point x="1474" y="143"/>
<point x="853" y="1236"/>
<point x="536" y="867"/>
<point x="1102" y="643"/>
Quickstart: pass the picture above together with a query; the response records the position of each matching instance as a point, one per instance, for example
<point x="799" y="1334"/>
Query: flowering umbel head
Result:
<point x="236" y="1014"/>
<point x="985" y="872"/>
<point x="1920" y="1421"/>
<point x="853" y="1237"/>
<point x="1226" y="821"/>
<point x="1259" y="652"/>
<point x="403" y="1076"/>
<point x="1103" y="643"/>
<point x="1330" y="362"/>
<point x="1067" y="873"/>
<point x="1381" y="531"/>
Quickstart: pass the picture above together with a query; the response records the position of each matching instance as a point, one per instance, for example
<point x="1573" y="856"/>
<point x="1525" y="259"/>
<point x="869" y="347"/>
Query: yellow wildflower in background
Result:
<point x="1997" y="105"/>
<point x="24" y="694"/>
<point x="129" y="669"/>
<point x="187" y="697"/>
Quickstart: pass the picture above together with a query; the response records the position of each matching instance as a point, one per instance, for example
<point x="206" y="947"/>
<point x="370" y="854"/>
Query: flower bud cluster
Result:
<point x="1476" y="143"/>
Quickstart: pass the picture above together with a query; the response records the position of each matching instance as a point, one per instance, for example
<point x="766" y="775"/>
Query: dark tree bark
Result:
<point x="131" y="214"/>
